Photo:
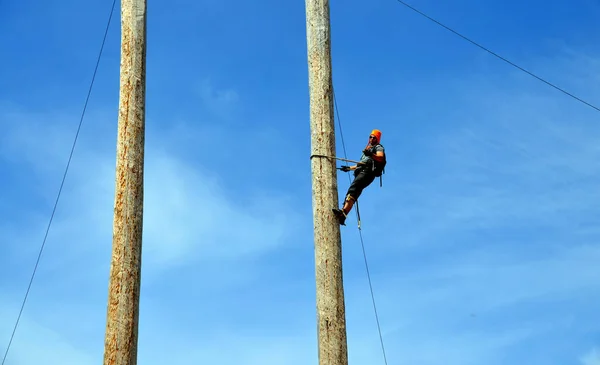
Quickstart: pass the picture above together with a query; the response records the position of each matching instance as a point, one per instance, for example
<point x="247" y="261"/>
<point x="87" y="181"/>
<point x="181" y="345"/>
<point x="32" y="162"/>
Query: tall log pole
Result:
<point x="331" y="316"/>
<point x="125" y="270"/>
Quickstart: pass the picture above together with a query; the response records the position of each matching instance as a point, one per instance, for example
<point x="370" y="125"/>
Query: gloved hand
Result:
<point x="367" y="152"/>
<point x="345" y="168"/>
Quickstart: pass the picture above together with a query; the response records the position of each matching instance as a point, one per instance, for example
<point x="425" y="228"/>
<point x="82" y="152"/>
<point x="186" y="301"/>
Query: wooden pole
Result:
<point x="120" y="347"/>
<point x="331" y="316"/>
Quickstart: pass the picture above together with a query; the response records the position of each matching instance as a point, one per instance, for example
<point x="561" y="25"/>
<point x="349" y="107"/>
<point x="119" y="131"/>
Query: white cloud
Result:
<point x="188" y="215"/>
<point x="193" y="227"/>
<point x="591" y="358"/>
<point x="483" y="237"/>
<point x="229" y="347"/>
<point x="509" y="153"/>
<point x="491" y="252"/>
<point x="220" y="102"/>
<point x="35" y="343"/>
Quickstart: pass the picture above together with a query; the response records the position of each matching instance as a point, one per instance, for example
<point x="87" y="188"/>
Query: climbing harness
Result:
<point x="379" y="167"/>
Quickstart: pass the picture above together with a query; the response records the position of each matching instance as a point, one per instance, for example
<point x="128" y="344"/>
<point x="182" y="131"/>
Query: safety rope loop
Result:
<point x="322" y="156"/>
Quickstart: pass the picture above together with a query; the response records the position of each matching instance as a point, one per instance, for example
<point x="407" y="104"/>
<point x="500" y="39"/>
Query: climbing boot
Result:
<point x="340" y="215"/>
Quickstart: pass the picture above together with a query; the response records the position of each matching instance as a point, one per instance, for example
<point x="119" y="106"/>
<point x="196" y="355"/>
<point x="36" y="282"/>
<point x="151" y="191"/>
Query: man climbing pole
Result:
<point x="370" y="166"/>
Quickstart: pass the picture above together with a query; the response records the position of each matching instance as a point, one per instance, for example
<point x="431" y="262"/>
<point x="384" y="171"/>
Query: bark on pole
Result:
<point x="120" y="347"/>
<point x="331" y="313"/>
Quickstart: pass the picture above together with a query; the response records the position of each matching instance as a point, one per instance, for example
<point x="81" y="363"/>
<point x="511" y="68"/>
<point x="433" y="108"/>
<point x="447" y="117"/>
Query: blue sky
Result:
<point x="482" y="242"/>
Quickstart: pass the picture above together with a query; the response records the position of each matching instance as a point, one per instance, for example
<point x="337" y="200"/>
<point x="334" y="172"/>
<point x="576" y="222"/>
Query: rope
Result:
<point x="362" y="243"/>
<point x="498" y="56"/>
<point x="61" y="185"/>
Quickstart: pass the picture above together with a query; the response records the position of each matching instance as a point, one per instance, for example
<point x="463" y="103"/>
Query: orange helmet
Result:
<point x="377" y="134"/>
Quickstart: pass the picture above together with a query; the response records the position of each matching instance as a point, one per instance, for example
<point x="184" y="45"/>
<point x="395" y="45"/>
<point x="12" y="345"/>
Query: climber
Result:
<point x="369" y="167"/>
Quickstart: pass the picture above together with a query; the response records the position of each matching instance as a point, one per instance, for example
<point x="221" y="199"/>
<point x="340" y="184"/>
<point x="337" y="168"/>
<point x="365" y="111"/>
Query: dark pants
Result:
<point x="362" y="179"/>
